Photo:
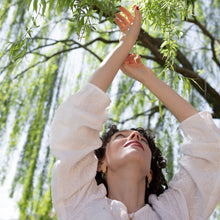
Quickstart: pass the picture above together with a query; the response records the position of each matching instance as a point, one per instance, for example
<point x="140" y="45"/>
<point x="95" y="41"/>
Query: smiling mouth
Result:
<point x="136" y="143"/>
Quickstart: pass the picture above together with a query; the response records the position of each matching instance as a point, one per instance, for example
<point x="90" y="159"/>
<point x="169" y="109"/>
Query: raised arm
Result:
<point x="194" y="191"/>
<point x="130" y="28"/>
<point x="179" y="107"/>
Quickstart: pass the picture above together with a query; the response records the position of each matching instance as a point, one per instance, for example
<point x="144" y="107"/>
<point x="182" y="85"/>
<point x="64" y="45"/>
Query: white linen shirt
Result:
<point x="193" y="193"/>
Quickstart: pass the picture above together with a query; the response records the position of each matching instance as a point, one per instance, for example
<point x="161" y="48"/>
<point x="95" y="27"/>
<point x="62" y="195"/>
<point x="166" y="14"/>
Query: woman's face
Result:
<point x="128" y="147"/>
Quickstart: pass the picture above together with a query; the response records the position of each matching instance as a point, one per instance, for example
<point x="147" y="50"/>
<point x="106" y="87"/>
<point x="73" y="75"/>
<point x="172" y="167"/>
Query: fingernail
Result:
<point x="137" y="8"/>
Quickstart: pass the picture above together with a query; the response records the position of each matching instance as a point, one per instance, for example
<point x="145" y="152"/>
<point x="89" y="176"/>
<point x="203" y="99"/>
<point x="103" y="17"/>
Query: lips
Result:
<point x="136" y="143"/>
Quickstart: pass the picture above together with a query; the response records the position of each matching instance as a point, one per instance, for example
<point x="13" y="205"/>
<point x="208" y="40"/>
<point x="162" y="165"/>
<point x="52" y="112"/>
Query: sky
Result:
<point x="8" y="206"/>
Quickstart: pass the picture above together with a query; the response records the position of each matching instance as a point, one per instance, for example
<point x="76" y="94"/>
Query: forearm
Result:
<point x="179" y="107"/>
<point x="106" y="72"/>
<point x="130" y="27"/>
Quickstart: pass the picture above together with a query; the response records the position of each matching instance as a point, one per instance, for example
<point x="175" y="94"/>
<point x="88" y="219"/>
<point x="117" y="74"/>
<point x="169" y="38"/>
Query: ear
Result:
<point x="101" y="165"/>
<point x="150" y="174"/>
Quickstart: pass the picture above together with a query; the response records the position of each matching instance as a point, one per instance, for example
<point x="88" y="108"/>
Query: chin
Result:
<point x="135" y="157"/>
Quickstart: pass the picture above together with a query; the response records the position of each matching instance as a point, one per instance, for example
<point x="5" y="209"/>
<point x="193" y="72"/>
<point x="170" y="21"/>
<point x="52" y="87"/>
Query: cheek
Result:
<point x="113" y="152"/>
<point x="112" y="149"/>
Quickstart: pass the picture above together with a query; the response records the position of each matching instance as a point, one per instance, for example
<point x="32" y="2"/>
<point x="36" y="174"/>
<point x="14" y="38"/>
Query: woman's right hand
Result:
<point x="129" y="25"/>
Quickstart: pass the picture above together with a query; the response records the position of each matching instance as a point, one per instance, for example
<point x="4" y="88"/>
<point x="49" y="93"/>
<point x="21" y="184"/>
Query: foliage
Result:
<point x="179" y="40"/>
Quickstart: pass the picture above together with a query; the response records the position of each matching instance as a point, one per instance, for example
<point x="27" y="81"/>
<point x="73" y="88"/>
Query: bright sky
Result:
<point x="8" y="206"/>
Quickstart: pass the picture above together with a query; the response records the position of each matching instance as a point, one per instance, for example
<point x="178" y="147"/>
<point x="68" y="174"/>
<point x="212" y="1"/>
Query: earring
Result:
<point x="104" y="170"/>
<point x="149" y="178"/>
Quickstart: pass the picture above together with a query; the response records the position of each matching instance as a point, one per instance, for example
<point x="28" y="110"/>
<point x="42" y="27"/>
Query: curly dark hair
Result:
<point x="158" y="184"/>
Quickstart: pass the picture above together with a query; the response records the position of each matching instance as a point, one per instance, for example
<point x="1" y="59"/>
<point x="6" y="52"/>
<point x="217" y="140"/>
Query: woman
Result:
<point x="126" y="161"/>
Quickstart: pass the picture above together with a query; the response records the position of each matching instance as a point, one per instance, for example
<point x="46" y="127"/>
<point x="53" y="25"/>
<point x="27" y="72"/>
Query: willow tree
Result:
<point x="179" y="40"/>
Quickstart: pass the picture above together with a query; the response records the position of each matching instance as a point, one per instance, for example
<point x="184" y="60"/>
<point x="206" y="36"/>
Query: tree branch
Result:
<point x="208" y="34"/>
<point x="73" y="42"/>
<point x="149" y="112"/>
<point x="148" y="57"/>
<point x="202" y="28"/>
<point x="46" y="58"/>
<point x="102" y="40"/>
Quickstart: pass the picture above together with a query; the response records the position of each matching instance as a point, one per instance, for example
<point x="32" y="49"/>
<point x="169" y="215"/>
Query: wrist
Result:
<point x="129" y="38"/>
<point x="148" y="76"/>
<point x="125" y="47"/>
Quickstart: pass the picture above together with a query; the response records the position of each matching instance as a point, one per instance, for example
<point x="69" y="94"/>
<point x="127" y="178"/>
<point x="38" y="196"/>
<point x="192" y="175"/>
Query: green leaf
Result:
<point x="29" y="33"/>
<point x="35" y="5"/>
<point x="43" y="2"/>
<point x="161" y="109"/>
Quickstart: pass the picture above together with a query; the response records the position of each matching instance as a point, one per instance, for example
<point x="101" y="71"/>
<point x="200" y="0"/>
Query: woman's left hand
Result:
<point x="134" y="68"/>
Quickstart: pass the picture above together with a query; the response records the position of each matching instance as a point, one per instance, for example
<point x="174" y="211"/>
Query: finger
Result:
<point x="128" y="59"/>
<point x="127" y="13"/>
<point x="123" y="19"/>
<point x="126" y="62"/>
<point x="134" y="6"/>
<point x="133" y="56"/>
<point x="138" y="60"/>
<point x="120" y="24"/>
<point x="137" y="14"/>
<point x="131" y="59"/>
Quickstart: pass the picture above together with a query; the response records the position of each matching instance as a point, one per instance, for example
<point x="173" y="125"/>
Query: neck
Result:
<point x="127" y="187"/>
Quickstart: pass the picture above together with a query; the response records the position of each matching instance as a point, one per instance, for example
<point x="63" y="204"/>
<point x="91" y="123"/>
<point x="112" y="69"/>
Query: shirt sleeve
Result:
<point x="194" y="191"/>
<point x="74" y="135"/>
<point x="201" y="151"/>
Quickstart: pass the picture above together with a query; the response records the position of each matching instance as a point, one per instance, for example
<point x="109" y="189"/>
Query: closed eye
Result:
<point x="142" y="139"/>
<point x="119" y="135"/>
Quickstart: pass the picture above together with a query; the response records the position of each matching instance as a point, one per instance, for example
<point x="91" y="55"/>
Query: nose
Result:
<point x="135" y="135"/>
